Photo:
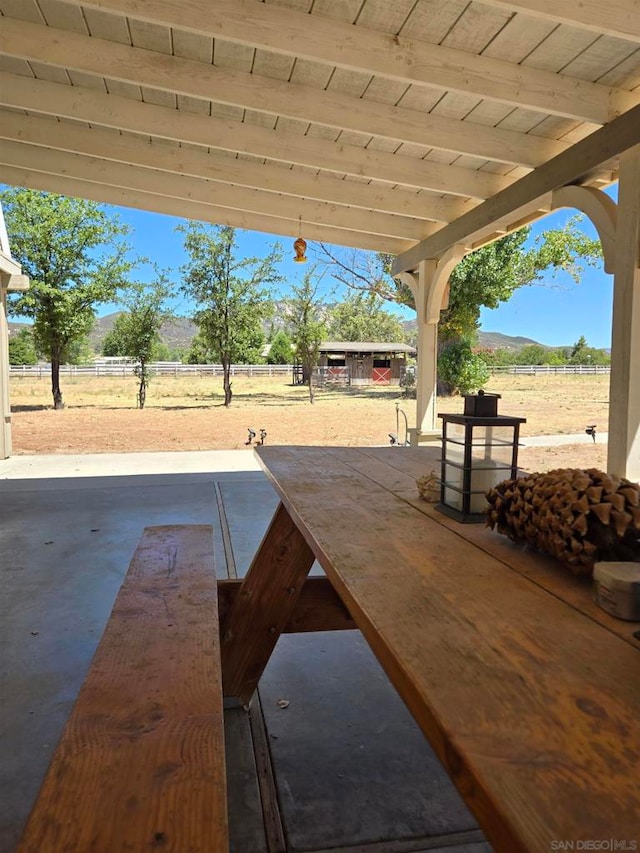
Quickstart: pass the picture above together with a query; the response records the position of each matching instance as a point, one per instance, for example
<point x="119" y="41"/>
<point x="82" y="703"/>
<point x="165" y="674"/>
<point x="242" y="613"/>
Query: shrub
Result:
<point x="460" y="371"/>
<point x="281" y="349"/>
<point x="21" y="348"/>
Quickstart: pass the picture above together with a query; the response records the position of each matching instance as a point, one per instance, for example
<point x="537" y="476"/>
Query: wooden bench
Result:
<point x="141" y="764"/>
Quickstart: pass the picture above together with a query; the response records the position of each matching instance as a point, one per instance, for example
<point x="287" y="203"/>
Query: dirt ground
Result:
<point x="186" y="413"/>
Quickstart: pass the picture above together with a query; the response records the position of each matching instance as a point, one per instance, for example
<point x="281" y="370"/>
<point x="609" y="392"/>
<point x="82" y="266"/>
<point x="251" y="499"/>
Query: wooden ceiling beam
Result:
<point x="138" y="151"/>
<point x="97" y="170"/>
<point x="69" y="186"/>
<point x="202" y="80"/>
<point x="72" y="102"/>
<point x="518" y="200"/>
<point x="616" y="18"/>
<point x="357" y="48"/>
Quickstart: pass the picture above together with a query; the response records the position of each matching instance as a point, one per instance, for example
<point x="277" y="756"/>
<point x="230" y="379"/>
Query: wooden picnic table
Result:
<point x="527" y="691"/>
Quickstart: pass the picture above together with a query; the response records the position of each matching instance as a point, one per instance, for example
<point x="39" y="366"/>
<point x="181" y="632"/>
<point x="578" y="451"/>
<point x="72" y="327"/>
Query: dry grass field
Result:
<point x="186" y="413"/>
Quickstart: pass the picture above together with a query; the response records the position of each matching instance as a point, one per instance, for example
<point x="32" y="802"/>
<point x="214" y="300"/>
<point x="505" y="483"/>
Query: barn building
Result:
<point x="364" y="362"/>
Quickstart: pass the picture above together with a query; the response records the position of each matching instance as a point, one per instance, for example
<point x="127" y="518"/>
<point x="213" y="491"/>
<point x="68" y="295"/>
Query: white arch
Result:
<point x="411" y="281"/>
<point x="601" y="210"/>
<point x="437" y="295"/>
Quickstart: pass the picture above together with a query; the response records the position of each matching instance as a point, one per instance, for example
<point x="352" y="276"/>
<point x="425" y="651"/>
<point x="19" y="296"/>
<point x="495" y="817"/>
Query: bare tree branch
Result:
<point x="360" y="270"/>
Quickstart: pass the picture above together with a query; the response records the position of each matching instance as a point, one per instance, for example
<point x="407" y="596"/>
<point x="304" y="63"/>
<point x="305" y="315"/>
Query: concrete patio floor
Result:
<point x="342" y="768"/>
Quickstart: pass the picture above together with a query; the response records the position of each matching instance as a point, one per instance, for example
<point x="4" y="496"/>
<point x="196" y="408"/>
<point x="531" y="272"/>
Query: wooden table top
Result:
<point x="527" y="691"/>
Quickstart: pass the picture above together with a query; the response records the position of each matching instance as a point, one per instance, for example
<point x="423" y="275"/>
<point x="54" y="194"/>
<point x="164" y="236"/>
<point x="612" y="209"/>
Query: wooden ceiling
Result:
<point x="367" y="123"/>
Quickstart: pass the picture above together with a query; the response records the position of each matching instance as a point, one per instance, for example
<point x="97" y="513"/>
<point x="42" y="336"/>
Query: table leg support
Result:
<point x="263" y="606"/>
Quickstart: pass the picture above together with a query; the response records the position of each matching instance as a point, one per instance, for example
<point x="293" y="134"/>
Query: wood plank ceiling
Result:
<point x="367" y="123"/>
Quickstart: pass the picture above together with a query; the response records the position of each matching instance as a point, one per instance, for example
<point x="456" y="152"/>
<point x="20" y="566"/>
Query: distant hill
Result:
<point x="176" y="334"/>
<point x="179" y="333"/>
<point x="496" y="340"/>
<point x="14" y="327"/>
<point x="487" y="340"/>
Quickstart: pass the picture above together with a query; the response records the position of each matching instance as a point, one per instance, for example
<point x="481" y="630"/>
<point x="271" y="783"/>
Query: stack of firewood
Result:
<point x="578" y="516"/>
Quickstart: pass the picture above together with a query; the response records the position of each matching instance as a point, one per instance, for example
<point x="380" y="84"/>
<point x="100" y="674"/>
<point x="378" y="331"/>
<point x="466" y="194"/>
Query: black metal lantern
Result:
<point x="479" y="449"/>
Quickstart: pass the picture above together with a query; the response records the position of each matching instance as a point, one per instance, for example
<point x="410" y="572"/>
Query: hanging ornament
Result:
<point x="300" y="248"/>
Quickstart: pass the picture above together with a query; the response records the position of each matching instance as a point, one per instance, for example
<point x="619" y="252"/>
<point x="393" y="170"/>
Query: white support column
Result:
<point x="5" y="408"/>
<point x="427" y="363"/>
<point x="430" y="290"/>
<point x="624" y="407"/>
<point x="11" y="278"/>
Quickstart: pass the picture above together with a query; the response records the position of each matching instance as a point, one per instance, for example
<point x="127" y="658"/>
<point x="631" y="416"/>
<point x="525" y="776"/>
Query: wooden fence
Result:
<point x="587" y="369"/>
<point x="170" y="368"/>
<point x="159" y="368"/>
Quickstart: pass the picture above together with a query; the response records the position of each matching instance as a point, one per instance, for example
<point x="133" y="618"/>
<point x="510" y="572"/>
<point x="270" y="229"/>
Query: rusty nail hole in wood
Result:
<point x="159" y="838"/>
<point x="291" y="590"/>
<point x="272" y="629"/>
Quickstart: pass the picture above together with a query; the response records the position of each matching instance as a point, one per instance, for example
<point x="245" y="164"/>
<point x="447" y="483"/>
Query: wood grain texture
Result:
<point x="532" y="706"/>
<point x="133" y="150"/>
<point x="409" y="61"/>
<point x="66" y="185"/>
<point x="263" y="606"/>
<point x="140" y="764"/>
<point x="237" y="88"/>
<point x="181" y="186"/>
<point x="539" y="568"/>
<point x="318" y="607"/>
<point x="148" y="119"/>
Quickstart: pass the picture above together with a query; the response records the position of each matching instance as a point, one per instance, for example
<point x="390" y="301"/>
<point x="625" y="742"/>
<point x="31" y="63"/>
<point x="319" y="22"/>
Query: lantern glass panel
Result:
<point x="484" y="475"/>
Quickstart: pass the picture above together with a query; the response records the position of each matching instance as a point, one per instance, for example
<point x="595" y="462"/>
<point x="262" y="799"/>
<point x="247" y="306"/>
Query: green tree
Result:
<point x="113" y="344"/>
<point x="199" y="352"/>
<point x="163" y="352"/>
<point x="139" y="328"/>
<point x="232" y="294"/>
<point x="582" y="353"/>
<point x="500" y="357"/>
<point x="462" y="369"/>
<point x="532" y="354"/>
<point x="80" y="351"/>
<point x="579" y="351"/>
<point x="306" y="326"/>
<point x="555" y="357"/>
<point x="596" y="356"/>
<point x="484" y="278"/>
<point x="21" y="348"/>
<point x="362" y="317"/>
<point x="281" y="349"/>
<point x="72" y="251"/>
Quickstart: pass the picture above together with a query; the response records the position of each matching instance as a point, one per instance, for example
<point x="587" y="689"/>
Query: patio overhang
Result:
<point x="370" y="126"/>
<point x="421" y="129"/>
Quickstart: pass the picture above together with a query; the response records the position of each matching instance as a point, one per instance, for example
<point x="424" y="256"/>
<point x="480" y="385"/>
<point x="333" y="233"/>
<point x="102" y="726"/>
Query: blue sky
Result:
<point x="555" y="314"/>
<point x="558" y="311"/>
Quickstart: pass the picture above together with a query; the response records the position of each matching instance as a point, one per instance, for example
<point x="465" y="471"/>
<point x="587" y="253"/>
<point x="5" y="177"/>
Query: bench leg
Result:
<point x="263" y="606"/>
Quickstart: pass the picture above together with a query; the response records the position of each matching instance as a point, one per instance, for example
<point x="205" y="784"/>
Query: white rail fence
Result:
<point x="587" y="369"/>
<point x="170" y="368"/>
<point x="159" y="368"/>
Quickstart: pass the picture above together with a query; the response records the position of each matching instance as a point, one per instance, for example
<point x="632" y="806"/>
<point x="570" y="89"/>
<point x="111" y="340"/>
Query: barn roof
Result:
<point x="366" y="347"/>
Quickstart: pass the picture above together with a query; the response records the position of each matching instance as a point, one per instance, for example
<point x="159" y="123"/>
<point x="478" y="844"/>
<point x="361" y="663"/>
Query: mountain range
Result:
<point x="178" y="334"/>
